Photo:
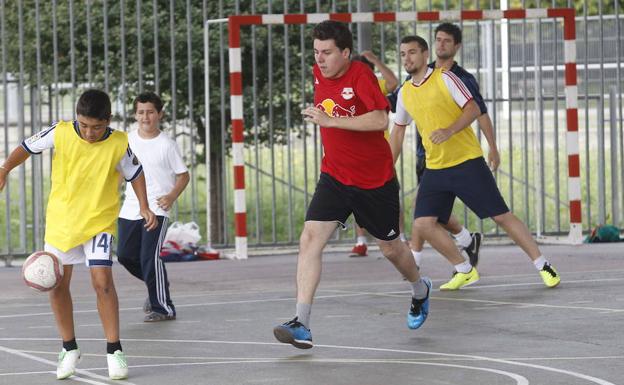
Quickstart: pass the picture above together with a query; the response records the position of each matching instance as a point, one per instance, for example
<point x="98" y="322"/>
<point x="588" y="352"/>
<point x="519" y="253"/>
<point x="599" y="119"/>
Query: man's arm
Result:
<point x="386" y="73"/>
<point x="17" y="157"/>
<point x="376" y="120"/>
<point x="469" y="113"/>
<point x="396" y="141"/>
<point x="138" y="185"/>
<point x="166" y="201"/>
<point x="485" y="123"/>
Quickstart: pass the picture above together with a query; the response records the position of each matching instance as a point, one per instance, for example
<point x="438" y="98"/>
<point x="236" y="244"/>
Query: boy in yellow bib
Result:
<point x="81" y="217"/>
<point x="443" y="109"/>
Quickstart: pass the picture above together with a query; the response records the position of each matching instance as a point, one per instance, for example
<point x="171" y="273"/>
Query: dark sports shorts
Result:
<point x="376" y="210"/>
<point x="421" y="165"/>
<point x="471" y="181"/>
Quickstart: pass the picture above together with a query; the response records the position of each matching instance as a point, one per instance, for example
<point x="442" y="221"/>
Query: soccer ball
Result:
<point x="42" y="271"/>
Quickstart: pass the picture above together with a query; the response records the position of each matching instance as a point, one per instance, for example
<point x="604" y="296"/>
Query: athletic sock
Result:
<point x="463" y="267"/>
<point x="419" y="289"/>
<point x="417" y="257"/>
<point x="361" y="240"/>
<point x="70" y="345"/>
<point x="463" y="238"/>
<point x="303" y="313"/>
<point x="112" y="347"/>
<point x="540" y="262"/>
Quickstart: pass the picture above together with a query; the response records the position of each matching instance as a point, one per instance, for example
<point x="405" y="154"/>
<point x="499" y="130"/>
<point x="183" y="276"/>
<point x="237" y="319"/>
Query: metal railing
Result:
<point x="51" y="51"/>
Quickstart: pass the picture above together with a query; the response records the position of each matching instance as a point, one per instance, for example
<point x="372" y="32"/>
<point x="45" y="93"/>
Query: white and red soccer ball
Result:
<point x="42" y="271"/>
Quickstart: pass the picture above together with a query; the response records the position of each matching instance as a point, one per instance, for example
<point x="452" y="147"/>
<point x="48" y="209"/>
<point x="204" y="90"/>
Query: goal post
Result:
<point x="567" y="15"/>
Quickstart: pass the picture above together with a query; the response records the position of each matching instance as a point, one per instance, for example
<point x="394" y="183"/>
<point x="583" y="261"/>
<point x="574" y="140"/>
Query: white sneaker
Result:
<point x="117" y="365"/>
<point x="67" y="363"/>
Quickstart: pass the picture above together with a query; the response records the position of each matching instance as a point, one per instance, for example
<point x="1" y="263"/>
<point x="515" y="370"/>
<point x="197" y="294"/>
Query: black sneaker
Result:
<point x="473" y="249"/>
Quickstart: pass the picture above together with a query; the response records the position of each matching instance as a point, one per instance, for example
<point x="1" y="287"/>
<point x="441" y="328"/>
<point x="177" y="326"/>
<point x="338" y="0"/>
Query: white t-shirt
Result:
<point x="161" y="162"/>
<point x="44" y="140"/>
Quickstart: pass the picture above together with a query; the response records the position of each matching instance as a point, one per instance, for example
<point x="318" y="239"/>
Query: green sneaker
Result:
<point x="550" y="276"/>
<point x="67" y="361"/>
<point x="460" y="280"/>
<point x="117" y="365"/>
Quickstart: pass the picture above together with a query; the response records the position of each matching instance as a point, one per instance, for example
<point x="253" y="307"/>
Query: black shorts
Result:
<point x="376" y="210"/>
<point x="471" y="181"/>
<point x="421" y="165"/>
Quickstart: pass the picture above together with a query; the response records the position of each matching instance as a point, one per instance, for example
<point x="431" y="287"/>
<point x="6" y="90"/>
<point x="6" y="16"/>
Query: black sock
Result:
<point x="112" y="347"/>
<point x="70" y="345"/>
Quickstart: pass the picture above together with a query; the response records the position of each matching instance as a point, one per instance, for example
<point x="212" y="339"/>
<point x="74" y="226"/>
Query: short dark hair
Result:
<point x="149" y="97"/>
<point x="339" y="32"/>
<point x="414" y="38"/>
<point x="94" y="104"/>
<point x="363" y="60"/>
<point x="452" y="30"/>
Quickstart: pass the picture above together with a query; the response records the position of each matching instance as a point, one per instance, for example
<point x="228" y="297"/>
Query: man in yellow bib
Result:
<point x="443" y="109"/>
<point x="81" y="217"/>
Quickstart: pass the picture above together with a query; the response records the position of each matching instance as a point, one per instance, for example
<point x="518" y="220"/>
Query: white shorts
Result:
<point x="96" y="252"/>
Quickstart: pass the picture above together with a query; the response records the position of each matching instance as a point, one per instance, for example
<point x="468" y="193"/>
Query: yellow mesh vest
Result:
<point x="431" y="105"/>
<point x="384" y="90"/>
<point x="84" y="199"/>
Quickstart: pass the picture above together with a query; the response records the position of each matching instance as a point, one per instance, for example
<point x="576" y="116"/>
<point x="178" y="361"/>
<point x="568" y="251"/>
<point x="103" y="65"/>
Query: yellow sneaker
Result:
<point x="550" y="276"/>
<point x="461" y="279"/>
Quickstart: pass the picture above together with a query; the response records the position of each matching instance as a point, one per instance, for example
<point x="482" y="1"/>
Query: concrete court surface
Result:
<point x="507" y="329"/>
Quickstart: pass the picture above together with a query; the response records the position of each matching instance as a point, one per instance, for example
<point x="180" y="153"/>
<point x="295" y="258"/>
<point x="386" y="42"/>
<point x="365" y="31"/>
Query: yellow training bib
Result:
<point x="432" y="106"/>
<point x="84" y="199"/>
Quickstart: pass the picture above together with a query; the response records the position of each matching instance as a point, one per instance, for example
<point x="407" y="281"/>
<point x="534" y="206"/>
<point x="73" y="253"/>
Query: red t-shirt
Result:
<point x="354" y="158"/>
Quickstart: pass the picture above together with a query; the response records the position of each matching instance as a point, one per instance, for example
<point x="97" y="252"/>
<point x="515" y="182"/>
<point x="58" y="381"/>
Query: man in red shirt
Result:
<point x="357" y="176"/>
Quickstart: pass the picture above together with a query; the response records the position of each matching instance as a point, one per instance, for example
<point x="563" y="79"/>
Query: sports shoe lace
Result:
<point x="549" y="270"/>
<point x="293" y="322"/>
<point x="120" y="360"/>
<point x="416" y="303"/>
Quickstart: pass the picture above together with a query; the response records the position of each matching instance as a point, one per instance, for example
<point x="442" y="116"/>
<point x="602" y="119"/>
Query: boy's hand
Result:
<point x="3" y="175"/>
<point x="165" y="202"/>
<point x="150" y="219"/>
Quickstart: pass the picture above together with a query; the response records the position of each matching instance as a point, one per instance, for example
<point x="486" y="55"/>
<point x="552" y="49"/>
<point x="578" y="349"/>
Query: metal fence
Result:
<point x="51" y="51"/>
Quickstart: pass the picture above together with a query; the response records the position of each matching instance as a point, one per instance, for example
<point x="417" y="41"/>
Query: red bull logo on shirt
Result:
<point x="347" y="93"/>
<point x="336" y="110"/>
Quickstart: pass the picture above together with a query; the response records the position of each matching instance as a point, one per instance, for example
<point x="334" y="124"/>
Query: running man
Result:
<point x="356" y="177"/>
<point x="443" y="109"/>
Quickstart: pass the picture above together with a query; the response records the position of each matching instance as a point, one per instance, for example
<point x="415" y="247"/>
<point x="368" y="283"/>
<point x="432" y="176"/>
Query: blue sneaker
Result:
<point x="293" y="332"/>
<point x="420" y="308"/>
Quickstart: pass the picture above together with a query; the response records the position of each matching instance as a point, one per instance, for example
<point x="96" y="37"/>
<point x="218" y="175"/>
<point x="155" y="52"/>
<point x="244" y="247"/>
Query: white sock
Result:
<point x="303" y="313"/>
<point x="540" y="262"/>
<point x="419" y="289"/>
<point x="402" y="237"/>
<point x="361" y="240"/>
<point x="463" y="238"/>
<point x="463" y="267"/>
<point x="417" y="257"/>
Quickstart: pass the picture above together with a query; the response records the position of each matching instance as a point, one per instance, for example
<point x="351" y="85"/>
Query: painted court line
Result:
<point x="225" y="358"/>
<point x="360" y="348"/>
<point x="339" y="347"/>
<point x="75" y="377"/>
<point x="347" y="293"/>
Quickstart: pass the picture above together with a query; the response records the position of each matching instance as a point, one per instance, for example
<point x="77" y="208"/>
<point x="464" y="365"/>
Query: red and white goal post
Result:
<point x="236" y="90"/>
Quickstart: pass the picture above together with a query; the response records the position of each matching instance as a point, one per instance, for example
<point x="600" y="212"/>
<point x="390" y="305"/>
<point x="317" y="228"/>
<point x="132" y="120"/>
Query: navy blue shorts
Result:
<point x="376" y="210"/>
<point x="471" y="181"/>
